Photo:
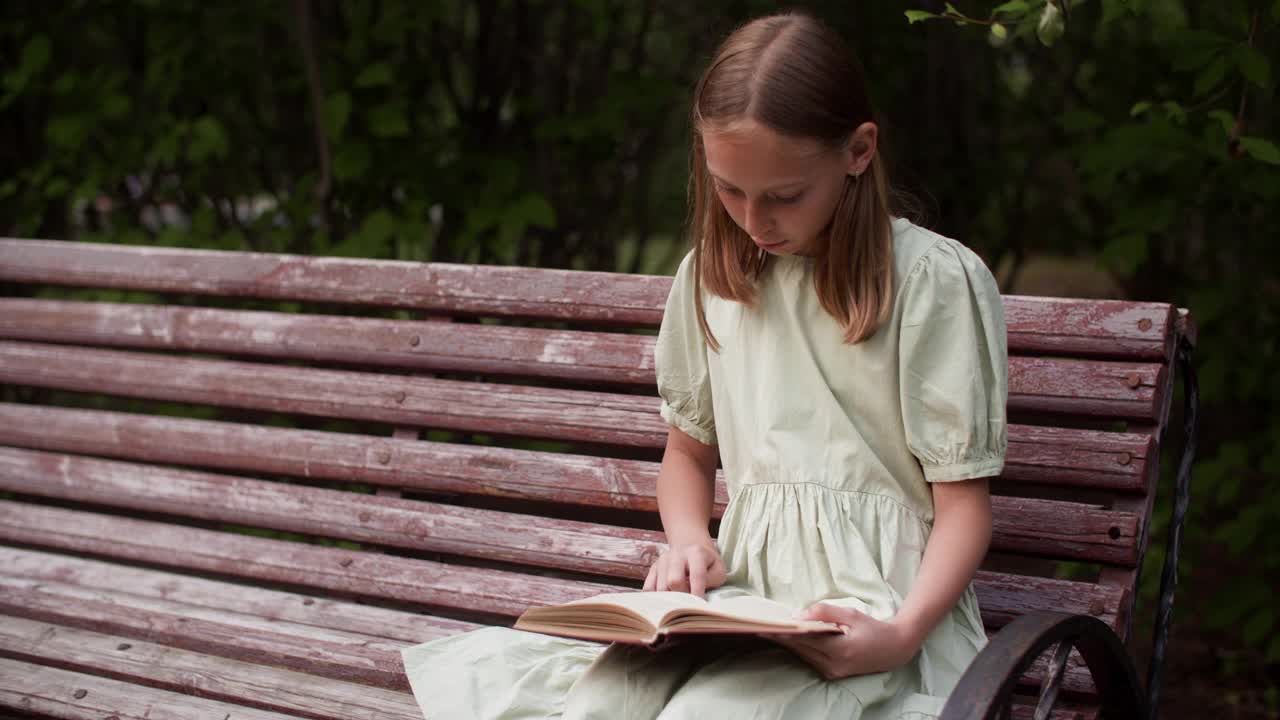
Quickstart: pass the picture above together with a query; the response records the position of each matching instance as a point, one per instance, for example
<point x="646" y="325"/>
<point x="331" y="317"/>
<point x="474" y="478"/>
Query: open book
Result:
<point x="647" y="618"/>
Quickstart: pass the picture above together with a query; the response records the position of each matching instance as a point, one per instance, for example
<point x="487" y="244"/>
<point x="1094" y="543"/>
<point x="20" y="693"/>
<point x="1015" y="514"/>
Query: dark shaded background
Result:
<point x="1134" y="158"/>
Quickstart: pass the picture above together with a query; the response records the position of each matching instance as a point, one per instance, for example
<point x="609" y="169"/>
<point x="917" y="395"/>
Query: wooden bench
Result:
<point x="360" y="476"/>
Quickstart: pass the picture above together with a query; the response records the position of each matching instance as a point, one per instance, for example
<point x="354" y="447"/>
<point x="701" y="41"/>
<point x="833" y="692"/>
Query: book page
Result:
<point x="743" y="614"/>
<point x="652" y="606"/>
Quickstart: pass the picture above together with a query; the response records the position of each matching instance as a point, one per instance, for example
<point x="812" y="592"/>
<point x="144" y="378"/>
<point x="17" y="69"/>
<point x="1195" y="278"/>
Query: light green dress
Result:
<point x="828" y="451"/>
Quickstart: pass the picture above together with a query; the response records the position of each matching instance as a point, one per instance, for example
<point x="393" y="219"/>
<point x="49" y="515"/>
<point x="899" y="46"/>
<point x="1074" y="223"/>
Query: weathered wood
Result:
<point x="1001" y="596"/>
<point x="611" y="358"/>
<point x="550" y="413"/>
<point x="45" y="692"/>
<point x="422" y="583"/>
<point x="66" y="611"/>
<point x="436" y="287"/>
<point x="181" y="626"/>
<point x="1092" y="388"/>
<point x="580" y="356"/>
<point x="488" y="534"/>
<point x="167" y="668"/>
<point x="1113" y="461"/>
<point x="298" y="633"/>
<point x="1041" y="527"/>
<point x="1087" y="328"/>
<point x="126" y="615"/>
<point x="397" y="400"/>
<point x="283" y="609"/>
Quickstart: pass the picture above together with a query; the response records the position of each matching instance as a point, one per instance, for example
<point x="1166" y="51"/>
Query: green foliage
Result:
<point x="423" y="131"/>
<point x="1162" y="166"/>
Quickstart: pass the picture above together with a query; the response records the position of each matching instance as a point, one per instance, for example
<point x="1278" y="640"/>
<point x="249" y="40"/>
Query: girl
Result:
<point x="848" y="368"/>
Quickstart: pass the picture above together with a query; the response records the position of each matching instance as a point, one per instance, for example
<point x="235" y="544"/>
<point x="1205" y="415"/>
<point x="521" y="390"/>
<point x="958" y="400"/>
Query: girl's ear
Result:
<point x="861" y="148"/>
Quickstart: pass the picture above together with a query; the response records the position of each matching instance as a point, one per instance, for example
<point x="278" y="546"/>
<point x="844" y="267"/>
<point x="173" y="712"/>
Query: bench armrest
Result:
<point x="986" y="688"/>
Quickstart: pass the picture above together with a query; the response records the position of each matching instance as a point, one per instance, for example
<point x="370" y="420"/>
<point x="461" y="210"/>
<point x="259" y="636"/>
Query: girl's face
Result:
<point x="781" y="190"/>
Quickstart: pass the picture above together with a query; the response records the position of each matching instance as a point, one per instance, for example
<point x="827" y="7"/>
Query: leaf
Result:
<point x="999" y="32"/>
<point x="915" y="16"/>
<point x="374" y="75"/>
<point x="337" y="108"/>
<point x="208" y="140"/>
<point x="951" y="9"/>
<point x="1011" y="7"/>
<point x="388" y="120"/>
<point x="67" y="131"/>
<point x="351" y="160"/>
<point x="1051" y="25"/>
<point x="1139" y="108"/>
<point x="1261" y="149"/>
<point x="1113" y="9"/>
<point x="57" y="187"/>
<point x="66" y="83"/>
<point x="35" y="55"/>
<point x="116" y="107"/>
<point x="1075" y="121"/>
<point x="371" y="239"/>
<point x="1174" y="111"/>
<point x="1211" y="76"/>
<point x="379" y="226"/>
<point x="1258" y="628"/>
<point x="1227" y="120"/>
<point x="1254" y="66"/>
<point x="1125" y="253"/>
<point x="534" y="209"/>
<point x="1197" y="48"/>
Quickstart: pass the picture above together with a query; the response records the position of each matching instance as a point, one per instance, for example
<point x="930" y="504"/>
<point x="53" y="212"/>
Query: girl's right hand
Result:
<point x="691" y="567"/>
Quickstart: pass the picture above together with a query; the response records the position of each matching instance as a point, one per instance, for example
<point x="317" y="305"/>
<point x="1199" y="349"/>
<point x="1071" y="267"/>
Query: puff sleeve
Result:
<point x="680" y="358"/>
<point x="953" y="365"/>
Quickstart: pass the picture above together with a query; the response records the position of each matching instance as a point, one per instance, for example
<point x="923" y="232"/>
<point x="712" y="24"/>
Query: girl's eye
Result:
<point x="787" y="200"/>
<point x="728" y="190"/>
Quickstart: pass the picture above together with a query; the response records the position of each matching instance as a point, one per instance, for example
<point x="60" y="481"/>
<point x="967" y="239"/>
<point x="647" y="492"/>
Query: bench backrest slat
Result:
<point x="1045" y="528"/>
<point x="1085" y="328"/>
<point x="1037" y="455"/>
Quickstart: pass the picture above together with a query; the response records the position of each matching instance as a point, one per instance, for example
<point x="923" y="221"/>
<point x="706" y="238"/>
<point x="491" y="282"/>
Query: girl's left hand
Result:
<point x="867" y="645"/>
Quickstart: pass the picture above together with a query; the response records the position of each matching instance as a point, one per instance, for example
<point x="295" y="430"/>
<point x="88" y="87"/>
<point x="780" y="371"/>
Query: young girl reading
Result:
<point x="848" y="369"/>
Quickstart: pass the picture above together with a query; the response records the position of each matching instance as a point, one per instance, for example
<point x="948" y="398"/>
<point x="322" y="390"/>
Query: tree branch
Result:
<point x="306" y="45"/>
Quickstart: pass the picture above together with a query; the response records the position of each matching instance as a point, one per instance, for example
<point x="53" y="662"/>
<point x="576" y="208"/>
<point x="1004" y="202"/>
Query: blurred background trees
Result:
<point x="1119" y="148"/>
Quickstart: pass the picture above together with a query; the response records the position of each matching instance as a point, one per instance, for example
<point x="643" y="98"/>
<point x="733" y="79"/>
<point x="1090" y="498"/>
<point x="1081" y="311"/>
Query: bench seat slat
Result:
<point x="1048" y="456"/>
<point x="64" y="695"/>
<point x="337" y="641"/>
<point x="1087" y="328"/>
<point x="166" y="667"/>
<point x="1040" y="527"/>
<point x="537" y="412"/>
<point x="283" y="609"/>
<point x="106" y="579"/>
<point x="182" y="626"/>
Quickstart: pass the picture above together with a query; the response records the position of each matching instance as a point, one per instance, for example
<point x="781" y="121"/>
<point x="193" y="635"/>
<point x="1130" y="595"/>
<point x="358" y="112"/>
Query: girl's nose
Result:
<point x="756" y="220"/>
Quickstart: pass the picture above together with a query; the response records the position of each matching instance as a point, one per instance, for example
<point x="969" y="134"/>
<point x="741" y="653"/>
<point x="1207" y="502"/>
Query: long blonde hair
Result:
<point x="793" y="75"/>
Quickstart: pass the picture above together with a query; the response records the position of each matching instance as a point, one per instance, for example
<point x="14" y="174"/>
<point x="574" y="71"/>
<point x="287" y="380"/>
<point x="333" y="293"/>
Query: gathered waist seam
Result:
<point x="879" y="496"/>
